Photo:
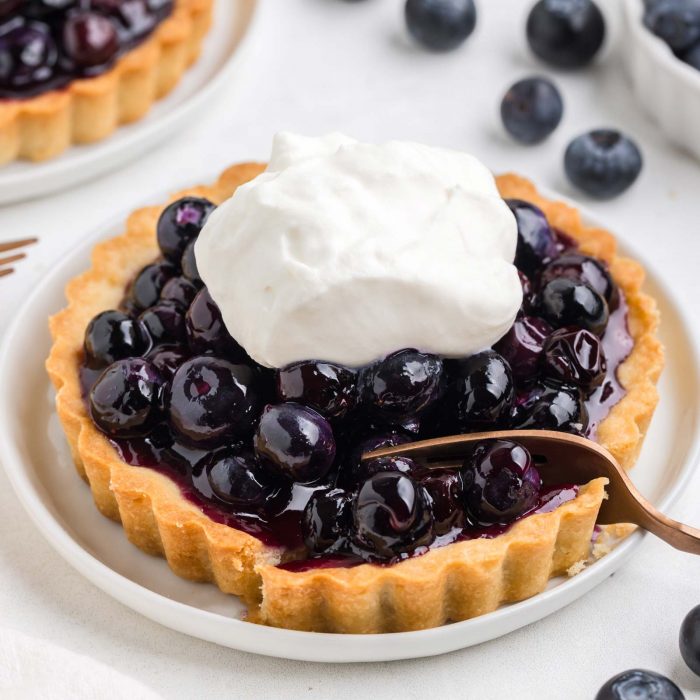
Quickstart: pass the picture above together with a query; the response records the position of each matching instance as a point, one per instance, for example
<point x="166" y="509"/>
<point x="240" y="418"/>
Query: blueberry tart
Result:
<point x="72" y="71"/>
<point x="204" y="421"/>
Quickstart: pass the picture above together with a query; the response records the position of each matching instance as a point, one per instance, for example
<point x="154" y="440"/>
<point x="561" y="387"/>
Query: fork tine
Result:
<point x="12" y="245"/>
<point x="9" y="271"/>
<point x="12" y="258"/>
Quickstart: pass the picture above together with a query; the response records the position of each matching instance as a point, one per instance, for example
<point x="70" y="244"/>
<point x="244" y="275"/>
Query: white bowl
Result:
<point x="667" y="88"/>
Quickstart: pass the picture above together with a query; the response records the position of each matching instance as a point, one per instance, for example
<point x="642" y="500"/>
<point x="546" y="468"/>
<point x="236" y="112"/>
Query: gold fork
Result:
<point x="13" y="245"/>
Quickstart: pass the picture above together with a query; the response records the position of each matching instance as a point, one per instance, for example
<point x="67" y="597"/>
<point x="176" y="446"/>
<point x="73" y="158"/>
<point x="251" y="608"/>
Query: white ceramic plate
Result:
<point x="222" y="53"/>
<point x="38" y="463"/>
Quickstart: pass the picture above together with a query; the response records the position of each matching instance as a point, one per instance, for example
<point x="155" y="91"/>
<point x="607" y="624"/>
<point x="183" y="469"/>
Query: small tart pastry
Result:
<point x="274" y="505"/>
<point x="93" y="66"/>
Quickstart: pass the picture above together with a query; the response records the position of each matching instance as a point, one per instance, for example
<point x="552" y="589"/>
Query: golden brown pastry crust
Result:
<point x="90" y="109"/>
<point x="454" y="582"/>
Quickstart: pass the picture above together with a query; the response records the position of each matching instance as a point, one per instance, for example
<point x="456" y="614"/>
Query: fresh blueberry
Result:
<point x="112" y="336"/>
<point x="555" y="406"/>
<point x="522" y="346"/>
<point x="531" y="110"/>
<point x="146" y="288"/>
<point x="326" y="520"/>
<point x="575" y="356"/>
<point x="500" y="482"/>
<point x="125" y="398"/>
<point x="180" y="291"/>
<point x="585" y="269"/>
<point x="638" y="684"/>
<point x="164" y="323"/>
<point x="28" y="56"/>
<point x="677" y="22"/>
<point x="296" y="442"/>
<point x="446" y="491"/>
<point x="403" y="384"/>
<point x="565" y="33"/>
<point x="212" y="401"/>
<point x="328" y="388"/>
<point x="181" y="223"/>
<point x="440" y="25"/>
<point x="90" y="39"/>
<point x="689" y="640"/>
<point x="536" y="240"/>
<point x="206" y="332"/>
<point x="568" y="302"/>
<point x="603" y="163"/>
<point x="392" y="515"/>
<point x="237" y="479"/>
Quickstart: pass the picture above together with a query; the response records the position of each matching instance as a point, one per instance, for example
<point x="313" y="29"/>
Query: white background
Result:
<point x="322" y="65"/>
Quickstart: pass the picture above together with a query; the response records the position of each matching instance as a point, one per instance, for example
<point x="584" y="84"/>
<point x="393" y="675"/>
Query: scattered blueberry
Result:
<point x="112" y="336"/>
<point x="531" y="110"/>
<point x="440" y="25"/>
<point x="689" y="640"/>
<point x="677" y="22"/>
<point x="565" y="33"/>
<point x="568" y="302"/>
<point x="181" y="223"/>
<point x="637" y="684"/>
<point x="603" y="163"/>
<point x="537" y="243"/>
<point x="296" y="442"/>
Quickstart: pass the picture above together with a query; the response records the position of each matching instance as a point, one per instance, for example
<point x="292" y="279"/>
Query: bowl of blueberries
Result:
<point x="662" y="54"/>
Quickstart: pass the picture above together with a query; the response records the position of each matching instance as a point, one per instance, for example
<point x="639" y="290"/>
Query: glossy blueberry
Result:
<point x="326" y="520"/>
<point x="555" y="406"/>
<point x="603" y="163"/>
<point x="575" y="356"/>
<point x="500" y="482"/>
<point x="392" y="515"/>
<point x="125" y="398"/>
<point x="536" y="240"/>
<point x="522" y="346"/>
<point x="213" y="401"/>
<point x="440" y="25"/>
<point x="689" y="640"/>
<point x="529" y="296"/>
<point x="237" y="479"/>
<point x="188" y="264"/>
<point x="328" y="388"/>
<point x="567" y="302"/>
<point x="112" y="336"/>
<point x="403" y="384"/>
<point x="677" y="22"/>
<point x="638" y="684"/>
<point x="180" y="291"/>
<point x="583" y="268"/>
<point x="531" y="110"/>
<point x="446" y="491"/>
<point x="164" y="323"/>
<point x="167" y="358"/>
<point x="565" y="33"/>
<point x="90" y="39"/>
<point x="146" y="288"/>
<point x="482" y="393"/>
<point x="133" y="16"/>
<point x="295" y="441"/>
<point x="28" y="56"/>
<point x="181" y="223"/>
<point x="369" y="467"/>
<point x="206" y="332"/>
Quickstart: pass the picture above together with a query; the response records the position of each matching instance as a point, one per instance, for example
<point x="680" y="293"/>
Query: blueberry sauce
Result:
<point x="277" y="453"/>
<point x="45" y="44"/>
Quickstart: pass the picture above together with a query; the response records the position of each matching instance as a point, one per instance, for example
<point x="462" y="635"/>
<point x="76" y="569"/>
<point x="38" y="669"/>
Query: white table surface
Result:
<point x="322" y="65"/>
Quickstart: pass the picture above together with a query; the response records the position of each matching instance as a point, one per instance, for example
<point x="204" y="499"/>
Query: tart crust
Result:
<point x="449" y="583"/>
<point x="90" y="109"/>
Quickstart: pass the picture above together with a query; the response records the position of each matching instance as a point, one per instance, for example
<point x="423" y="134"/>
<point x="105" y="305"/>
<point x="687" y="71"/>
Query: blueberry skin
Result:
<point x="295" y="442"/>
<point x="522" y="346"/>
<point x="181" y="223"/>
<point x="23" y="69"/>
<point x="603" y="163"/>
<point x="145" y="290"/>
<point x="111" y="336"/>
<point x="163" y="323"/>
<point x="575" y="356"/>
<point x="555" y="406"/>
<point x="531" y="110"/>
<point x="565" y="33"/>
<point x="440" y="25"/>
<point x="677" y="22"/>
<point x="689" y="640"/>
<point x="537" y="244"/>
<point x="567" y="302"/>
<point x="637" y="684"/>
<point x="446" y="491"/>
<point x="90" y="39"/>
<point x="584" y="268"/>
<point x="326" y="520"/>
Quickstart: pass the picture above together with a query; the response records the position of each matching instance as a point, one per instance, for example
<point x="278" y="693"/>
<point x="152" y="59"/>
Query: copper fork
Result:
<point x="7" y="260"/>
<point x="561" y="459"/>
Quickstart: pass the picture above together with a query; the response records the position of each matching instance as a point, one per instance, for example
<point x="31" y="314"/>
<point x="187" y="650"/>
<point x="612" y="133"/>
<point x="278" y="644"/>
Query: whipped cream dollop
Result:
<point x="346" y="251"/>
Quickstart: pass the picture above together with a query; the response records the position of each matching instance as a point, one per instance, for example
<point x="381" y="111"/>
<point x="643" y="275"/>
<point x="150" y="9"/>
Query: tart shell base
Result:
<point x="449" y="583"/>
<point x="89" y="110"/>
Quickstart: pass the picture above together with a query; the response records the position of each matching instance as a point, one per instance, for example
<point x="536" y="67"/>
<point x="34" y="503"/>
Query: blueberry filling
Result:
<point x="278" y="454"/>
<point x="44" y="44"/>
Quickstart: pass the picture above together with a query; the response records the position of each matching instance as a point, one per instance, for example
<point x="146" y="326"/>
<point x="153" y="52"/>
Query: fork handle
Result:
<point x="678" y="535"/>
